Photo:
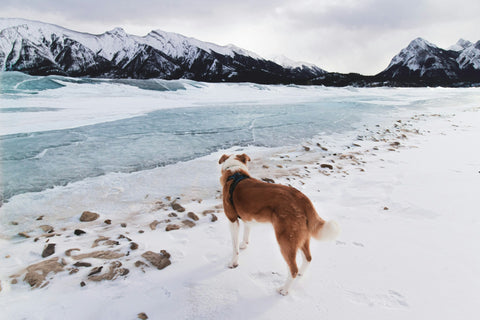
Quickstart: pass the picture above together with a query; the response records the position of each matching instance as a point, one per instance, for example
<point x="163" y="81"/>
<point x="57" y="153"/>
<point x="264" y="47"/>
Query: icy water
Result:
<point x="60" y="130"/>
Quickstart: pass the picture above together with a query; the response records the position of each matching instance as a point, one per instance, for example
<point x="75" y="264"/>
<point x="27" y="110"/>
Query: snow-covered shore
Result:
<point x="404" y="193"/>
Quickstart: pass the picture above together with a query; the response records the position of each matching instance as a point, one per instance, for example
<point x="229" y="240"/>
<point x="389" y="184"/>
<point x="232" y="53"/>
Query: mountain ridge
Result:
<point x="40" y="48"/>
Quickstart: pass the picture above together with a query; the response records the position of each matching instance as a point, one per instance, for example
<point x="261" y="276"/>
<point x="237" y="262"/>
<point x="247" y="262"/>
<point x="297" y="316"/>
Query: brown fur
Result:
<point x="291" y="213"/>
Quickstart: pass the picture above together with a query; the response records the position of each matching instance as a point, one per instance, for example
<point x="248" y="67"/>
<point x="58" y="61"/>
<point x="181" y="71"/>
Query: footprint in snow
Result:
<point x="390" y="300"/>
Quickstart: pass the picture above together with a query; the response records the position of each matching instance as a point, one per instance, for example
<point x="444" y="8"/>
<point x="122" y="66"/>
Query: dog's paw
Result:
<point x="243" y="245"/>
<point x="233" y="265"/>
<point x="282" y="291"/>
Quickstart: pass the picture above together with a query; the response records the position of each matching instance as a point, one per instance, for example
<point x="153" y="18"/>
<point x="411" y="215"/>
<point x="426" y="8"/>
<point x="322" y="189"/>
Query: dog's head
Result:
<point x="234" y="163"/>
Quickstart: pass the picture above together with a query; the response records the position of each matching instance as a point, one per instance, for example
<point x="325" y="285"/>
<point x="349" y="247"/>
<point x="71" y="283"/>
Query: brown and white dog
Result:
<point x="291" y="213"/>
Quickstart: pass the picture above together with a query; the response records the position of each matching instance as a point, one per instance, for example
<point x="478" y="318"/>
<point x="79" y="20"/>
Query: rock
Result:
<point x="268" y="180"/>
<point x="113" y="272"/>
<point x="108" y="221"/>
<point x="69" y="251"/>
<point x="153" y="224"/>
<point x="171" y="227"/>
<point x="159" y="260"/>
<point x="214" y="218"/>
<point x="46" y="228"/>
<point x="95" y="271"/>
<point x="141" y="231"/>
<point x="98" y="240"/>
<point x="14" y="281"/>
<point x="306" y="148"/>
<point x="78" y="232"/>
<point x="123" y="225"/>
<point x="193" y="216"/>
<point x="48" y="250"/>
<point x="89" y="216"/>
<point x="205" y="212"/>
<point x="142" y="316"/>
<point x="188" y="223"/>
<point x="82" y="284"/>
<point x="385" y="208"/>
<point x="133" y="246"/>
<point x="73" y="271"/>
<point x="36" y="273"/>
<point x="40" y="218"/>
<point x="172" y="215"/>
<point x="82" y="264"/>
<point x="177" y="207"/>
<point x="108" y="255"/>
<point x="326" y="166"/>
<point x="23" y="234"/>
<point x="14" y="223"/>
<point x="139" y="264"/>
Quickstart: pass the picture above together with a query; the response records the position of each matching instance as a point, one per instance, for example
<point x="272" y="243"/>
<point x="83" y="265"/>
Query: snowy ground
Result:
<point x="405" y="195"/>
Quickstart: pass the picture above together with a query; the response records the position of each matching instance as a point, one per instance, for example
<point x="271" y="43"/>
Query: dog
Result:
<point x="291" y="213"/>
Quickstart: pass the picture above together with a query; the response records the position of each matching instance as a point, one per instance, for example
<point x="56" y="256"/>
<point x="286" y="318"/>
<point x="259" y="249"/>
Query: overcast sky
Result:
<point x="336" y="35"/>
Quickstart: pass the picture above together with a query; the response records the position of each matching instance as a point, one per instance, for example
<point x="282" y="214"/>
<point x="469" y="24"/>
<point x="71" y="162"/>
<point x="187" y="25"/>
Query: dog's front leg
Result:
<point x="234" y="229"/>
<point x="246" y="235"/>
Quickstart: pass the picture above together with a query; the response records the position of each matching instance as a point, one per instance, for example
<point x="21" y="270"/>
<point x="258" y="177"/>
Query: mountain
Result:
<point x="423" y="63"/>
<point x="42" y="49"/>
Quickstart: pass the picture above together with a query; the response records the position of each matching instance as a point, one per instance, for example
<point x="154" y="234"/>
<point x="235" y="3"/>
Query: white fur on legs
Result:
<point x="288" y="283"/>
<point x="246" y="235"/>
<point x="234" y="226"/>
<point x="305" y="264"/>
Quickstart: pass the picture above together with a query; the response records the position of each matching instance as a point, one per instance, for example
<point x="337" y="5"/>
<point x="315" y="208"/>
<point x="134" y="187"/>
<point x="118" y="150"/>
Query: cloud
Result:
<point x="338" y="35"/>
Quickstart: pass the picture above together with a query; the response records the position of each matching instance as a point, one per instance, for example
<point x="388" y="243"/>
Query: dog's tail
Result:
<point x="319" y="228"/>
<point x="328" y="230"/>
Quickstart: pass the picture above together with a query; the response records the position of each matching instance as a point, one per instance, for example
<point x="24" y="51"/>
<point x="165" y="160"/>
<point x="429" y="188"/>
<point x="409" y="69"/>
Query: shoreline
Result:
<point x="383" y="187"/>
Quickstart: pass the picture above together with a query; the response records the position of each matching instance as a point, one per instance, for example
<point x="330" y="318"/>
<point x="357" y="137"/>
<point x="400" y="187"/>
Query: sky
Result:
<point x="336" y="35"/>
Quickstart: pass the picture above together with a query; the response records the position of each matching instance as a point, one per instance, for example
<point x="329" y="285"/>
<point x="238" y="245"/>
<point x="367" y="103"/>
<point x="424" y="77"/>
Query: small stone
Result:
<point x="153" y="224"/>
<point x="172" y="215"/>
<point x="142" y="316"/>
<point x="78" y="232"/>
<point x="326" y="166"/>
<point x="205" y="212"/>
<point x="385" y="208"/>
<point x="188" y="223"/>
<point x="139" y="264"/>
<point x="14" y="223"/>
<point x="95" y="271"/>
<point x="108" y="221"/>
<point x="89" y="216"/>
<point x="306" y="148"/>
<point x="14" y="281"/>
<point x="82" y="284"/>
<point x="171" y="227"/>
<point x="159" y="260"/>
<point x="49" y="250"/>
<point x="82" y="264"/>
<point x="133" y="246"/>
<point x="23" y="234"/>
<point x="141" y="231"/>
<point x="73" y="271"/>
<point x="40" y="218"/>
<point x="46" y="228"/>
<point x="193" y="216"/>
<point x="214" y="218"/>
<point x="177" y="207"/>
<point x="123" y="225"/>
<point x="268" y="180"/>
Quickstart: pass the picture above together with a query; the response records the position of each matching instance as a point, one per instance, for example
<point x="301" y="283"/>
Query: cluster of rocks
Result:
<point x="107" y="263"/>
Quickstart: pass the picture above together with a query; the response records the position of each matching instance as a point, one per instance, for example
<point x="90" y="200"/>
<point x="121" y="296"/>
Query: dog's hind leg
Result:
<point x="246" y="235"/>
<point x="307" y="257"/>
<point x="234" y="228"/>
<point x="289" y="254"/>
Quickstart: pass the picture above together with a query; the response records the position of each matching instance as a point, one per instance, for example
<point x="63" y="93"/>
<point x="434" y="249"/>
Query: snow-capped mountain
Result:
<point x="40" y="48"/>
<point x="423" y="63"/>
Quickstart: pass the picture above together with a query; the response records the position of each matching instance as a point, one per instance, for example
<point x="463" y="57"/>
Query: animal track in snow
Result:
<point x="390" y="300"/>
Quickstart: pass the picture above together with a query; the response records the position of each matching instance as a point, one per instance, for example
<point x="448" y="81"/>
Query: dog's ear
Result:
<point x="222" y="159"/>
<point x="243" y="158"/>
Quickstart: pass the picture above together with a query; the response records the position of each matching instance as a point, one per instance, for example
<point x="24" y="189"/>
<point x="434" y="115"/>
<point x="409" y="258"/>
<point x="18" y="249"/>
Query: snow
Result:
<point x="407" y="248"/>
